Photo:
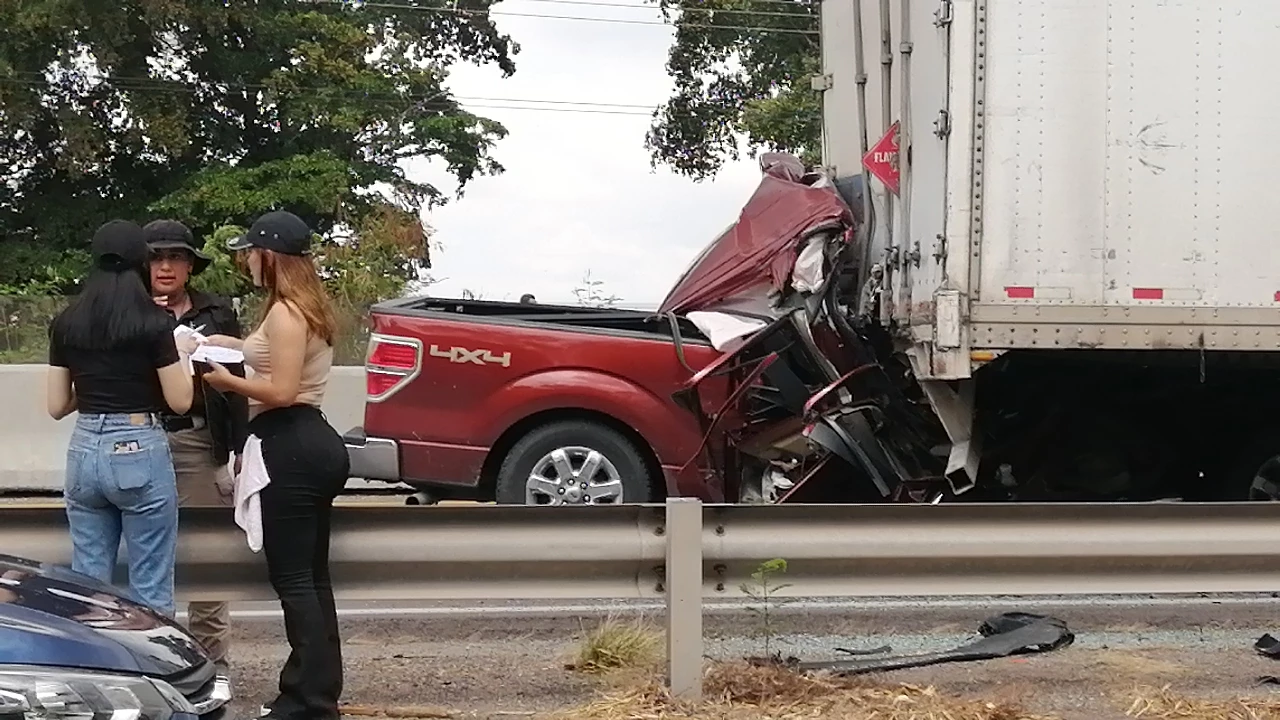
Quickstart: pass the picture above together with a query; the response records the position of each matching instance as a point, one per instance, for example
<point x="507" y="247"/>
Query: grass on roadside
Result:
<point x="742" y="691"/>
<point x="629" y="653"/>
<point x="1162" y="703"/>
<point x="620" y="644"/>
<point x="1133" y="667"/>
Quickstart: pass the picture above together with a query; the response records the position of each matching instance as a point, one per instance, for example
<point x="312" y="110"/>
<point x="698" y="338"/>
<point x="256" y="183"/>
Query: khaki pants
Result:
<point x="192" y="450"/>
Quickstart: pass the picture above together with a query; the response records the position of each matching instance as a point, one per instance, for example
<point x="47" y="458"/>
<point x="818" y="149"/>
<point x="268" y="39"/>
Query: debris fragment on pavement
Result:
<point x="1268" y="645"/>
<point x="1014" y="633"/>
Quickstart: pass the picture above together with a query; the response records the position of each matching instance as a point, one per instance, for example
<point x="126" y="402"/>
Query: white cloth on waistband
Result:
<point x="252" y="479"/>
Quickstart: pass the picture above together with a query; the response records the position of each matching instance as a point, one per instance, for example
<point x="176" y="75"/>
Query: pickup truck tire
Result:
<point x="573" y="462"/>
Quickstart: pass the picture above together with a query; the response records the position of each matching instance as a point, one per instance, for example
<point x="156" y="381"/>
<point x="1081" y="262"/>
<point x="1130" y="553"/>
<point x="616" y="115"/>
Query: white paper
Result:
<point x="218" y="354"/>
<point x="182" y="331"/>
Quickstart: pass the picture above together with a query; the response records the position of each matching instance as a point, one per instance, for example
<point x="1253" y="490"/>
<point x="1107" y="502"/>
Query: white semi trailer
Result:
<point x="1081" y="260"/>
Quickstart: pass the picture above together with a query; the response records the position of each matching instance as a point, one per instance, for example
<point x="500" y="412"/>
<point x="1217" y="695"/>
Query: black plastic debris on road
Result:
<point x="1014" y="633"/>
<point x="1268" y="645"/>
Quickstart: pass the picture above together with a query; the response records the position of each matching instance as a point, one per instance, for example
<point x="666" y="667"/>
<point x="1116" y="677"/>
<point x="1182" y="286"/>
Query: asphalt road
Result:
<point x="501" y="659"/>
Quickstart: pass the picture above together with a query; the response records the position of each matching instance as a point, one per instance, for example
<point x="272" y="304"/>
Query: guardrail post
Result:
<point x="684" y="597"/>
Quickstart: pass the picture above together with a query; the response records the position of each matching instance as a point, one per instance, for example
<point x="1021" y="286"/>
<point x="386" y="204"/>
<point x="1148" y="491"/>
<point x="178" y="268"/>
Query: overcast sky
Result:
<point x="578" y="193"/>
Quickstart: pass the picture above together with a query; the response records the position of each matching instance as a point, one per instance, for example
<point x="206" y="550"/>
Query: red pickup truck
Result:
<point x="754" y="381"/>
<point x="533" y="404"/>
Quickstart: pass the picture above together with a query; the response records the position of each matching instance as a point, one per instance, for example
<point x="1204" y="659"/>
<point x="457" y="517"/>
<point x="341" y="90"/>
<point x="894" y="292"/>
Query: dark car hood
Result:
<point x="52" y="616"/>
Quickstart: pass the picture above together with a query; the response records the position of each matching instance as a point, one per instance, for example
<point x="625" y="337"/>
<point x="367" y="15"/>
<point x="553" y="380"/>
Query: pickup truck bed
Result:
<point x="526" y="403"/>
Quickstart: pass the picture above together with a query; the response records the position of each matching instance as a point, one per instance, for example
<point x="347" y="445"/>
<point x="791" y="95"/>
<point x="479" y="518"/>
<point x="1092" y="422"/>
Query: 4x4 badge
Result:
<point x="479" y="357"/>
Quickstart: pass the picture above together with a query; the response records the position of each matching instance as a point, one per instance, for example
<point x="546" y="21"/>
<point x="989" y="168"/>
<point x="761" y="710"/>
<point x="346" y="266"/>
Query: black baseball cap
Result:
<point x="173" y="235"/>
<point x="279" y="231"/>
<point x="120" y="245"/>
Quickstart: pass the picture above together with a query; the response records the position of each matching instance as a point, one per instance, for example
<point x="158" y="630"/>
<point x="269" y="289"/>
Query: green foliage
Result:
<point x="311" y="185"/>
<point x="222" y="277"/>
<point x="764" y="591"/>
<point x="212" y="113"/>
<point x="387" y="251"/>
<point x="24" y="327"/>
<point x="29" y="267"/>
<point x="740" y="67"/>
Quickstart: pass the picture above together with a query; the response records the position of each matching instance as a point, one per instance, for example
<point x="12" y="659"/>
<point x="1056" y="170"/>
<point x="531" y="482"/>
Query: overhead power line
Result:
<point x="466" y="103"/>
<point x="691" y="9"/>
<point x="138" y="82"/>
<point x="498" y="13"/>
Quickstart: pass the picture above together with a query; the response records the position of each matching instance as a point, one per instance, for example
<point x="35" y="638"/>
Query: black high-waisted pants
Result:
<point x="308" y="465"/>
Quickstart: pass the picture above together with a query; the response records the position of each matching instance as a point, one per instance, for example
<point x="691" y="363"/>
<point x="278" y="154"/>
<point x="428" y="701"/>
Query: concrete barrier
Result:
<point x="35" y="446"/>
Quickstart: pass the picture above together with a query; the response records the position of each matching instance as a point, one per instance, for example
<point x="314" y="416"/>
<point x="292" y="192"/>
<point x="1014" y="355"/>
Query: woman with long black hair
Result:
<point x="291" y="352"/>
<point x="114" y="359"/>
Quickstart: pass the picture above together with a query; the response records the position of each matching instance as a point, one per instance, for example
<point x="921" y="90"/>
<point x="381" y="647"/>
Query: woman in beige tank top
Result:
<point x="290" y="353"/>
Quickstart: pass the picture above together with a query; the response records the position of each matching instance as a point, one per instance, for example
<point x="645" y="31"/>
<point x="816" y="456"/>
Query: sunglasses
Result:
<point x="172" y="255"/>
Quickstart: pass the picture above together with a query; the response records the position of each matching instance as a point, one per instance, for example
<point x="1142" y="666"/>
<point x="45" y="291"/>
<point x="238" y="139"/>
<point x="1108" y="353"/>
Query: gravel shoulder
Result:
<point x="505" y="667"/>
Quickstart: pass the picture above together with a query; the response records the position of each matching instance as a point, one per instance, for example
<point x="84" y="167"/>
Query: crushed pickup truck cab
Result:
<point x="810" y="413"/>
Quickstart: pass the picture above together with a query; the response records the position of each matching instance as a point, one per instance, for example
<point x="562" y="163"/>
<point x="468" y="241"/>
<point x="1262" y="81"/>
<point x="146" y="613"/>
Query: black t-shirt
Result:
<point x="121" y="380"/>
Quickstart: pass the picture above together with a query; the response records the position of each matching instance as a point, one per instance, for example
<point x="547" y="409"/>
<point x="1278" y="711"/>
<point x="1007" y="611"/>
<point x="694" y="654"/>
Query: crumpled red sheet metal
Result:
<point x="760" y="249"/>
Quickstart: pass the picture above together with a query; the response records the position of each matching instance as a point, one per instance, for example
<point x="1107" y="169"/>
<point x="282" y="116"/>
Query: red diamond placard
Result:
<point x="882" y="159"/>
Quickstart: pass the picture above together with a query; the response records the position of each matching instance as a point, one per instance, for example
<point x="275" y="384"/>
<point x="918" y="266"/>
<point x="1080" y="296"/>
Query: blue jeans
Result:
<point x="120" y="480"/>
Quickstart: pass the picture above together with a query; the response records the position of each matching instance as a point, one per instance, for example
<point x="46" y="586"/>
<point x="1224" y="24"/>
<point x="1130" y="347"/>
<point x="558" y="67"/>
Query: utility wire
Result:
<point x="38" y="78"/>
<point x="490" y="13"/>
<point x="146" y="84"/>
<point x="595" y="108"/>
<point x="685" y="8"/>
<point x="681" y="5"/>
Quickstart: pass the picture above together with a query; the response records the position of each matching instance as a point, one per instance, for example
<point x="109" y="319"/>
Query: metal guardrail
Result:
<point x="687" y="552"/>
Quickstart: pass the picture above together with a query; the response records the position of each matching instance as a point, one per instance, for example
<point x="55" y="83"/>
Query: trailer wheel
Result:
<point x="1256" y="473"/>
<point x="573" y="462"/>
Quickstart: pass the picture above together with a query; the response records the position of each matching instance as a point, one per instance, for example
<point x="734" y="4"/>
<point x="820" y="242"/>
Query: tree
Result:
<point x="214" y="112"/>
<point x="741" y="67"/>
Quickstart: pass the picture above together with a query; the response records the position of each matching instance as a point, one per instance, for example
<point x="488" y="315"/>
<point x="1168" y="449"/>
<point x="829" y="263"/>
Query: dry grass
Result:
<point x="617" y="644"/>
<point x="1152" y="703"/>
<point x="1129" y="666"/>
<point x="740" y="691"/>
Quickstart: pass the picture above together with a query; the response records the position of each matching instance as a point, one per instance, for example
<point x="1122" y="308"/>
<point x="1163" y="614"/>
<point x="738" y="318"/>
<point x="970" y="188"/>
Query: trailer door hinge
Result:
<point x="913" y="256"/>
<point x="820" y="82"/>
<point x="940" y="249"/>
<point x="892" y="257"/>
<point x="942" y="125"/>
<point x="944" y="14"/>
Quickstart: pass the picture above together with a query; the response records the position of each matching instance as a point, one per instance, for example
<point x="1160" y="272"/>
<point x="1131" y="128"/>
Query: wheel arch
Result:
<point x="509" y="437"/>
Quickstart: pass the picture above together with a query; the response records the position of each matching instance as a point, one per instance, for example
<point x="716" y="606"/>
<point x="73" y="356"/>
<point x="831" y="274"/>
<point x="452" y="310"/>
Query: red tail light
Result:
<point x="392" y="363"/>
<point x="393" y="356"/>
